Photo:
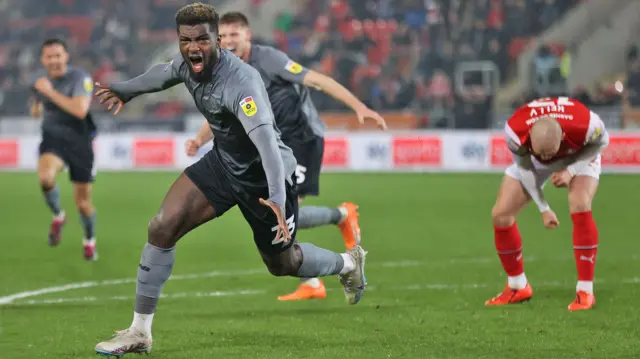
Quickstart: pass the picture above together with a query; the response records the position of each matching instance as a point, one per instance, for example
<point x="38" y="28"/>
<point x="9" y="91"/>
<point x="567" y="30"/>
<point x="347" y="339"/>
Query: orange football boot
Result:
<point x="349" y="227"/>
<point x="584" y="301"/>
<point x="306" y="291"/>
<point x="511" y="296"/>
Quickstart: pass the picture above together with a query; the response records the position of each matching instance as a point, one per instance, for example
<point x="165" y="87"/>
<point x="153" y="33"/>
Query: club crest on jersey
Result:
<point x="88" y="84"/>
<point x="293" y="67"/>
<point x="248" y="106"/>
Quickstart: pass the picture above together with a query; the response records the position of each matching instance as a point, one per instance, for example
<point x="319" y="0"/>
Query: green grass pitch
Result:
<point x="431" y="266"/>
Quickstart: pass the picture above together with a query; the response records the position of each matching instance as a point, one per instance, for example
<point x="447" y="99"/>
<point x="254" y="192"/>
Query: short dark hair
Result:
<point x="196" y="14"/>
<point x="234" y="17"/>
<point x="53" y="41"/>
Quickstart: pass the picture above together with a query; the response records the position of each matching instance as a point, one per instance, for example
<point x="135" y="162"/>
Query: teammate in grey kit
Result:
<point x="302" y="130"/>
<point x="248" y="163"/>
<point x="62" y="96"/>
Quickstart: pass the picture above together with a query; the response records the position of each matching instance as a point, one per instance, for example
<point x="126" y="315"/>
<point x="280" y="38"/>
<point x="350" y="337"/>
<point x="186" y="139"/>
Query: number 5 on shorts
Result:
<point x="300" y="174"/>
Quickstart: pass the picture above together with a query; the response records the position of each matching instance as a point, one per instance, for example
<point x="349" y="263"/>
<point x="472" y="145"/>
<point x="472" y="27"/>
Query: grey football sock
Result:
<point x="154" y="269"/>
<point x="52" y="197"/>
<point x="312" y="216"/>
<point x="89" y="224"/>
<point x="318" y="262"/>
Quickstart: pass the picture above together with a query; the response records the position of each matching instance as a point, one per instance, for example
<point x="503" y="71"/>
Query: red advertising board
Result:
<point x="153" y="152"/>
<point x="9" y="153"/>
<point x="336" y="152"/>
<point x="417" y="151"/>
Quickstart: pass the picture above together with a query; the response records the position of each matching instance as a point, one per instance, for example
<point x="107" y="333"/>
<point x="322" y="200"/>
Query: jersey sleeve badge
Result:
<point x="248" y="106"/>
<point x="596" y="134"/>
<point x="293" y="67"/>
<point x="88" y="84"/>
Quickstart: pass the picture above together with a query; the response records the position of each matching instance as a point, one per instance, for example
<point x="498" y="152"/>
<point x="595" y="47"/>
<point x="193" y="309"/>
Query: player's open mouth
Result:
<point x="197" y="63"/>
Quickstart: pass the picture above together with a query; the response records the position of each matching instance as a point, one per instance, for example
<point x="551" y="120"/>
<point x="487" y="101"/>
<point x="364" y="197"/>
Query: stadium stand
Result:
<point x="425" y="63"/>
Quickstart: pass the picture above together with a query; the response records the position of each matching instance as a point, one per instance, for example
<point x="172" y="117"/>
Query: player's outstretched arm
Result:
<point x="336" y="90"/>
<point x="157" y="78"/>
<point x="281" y="65"/>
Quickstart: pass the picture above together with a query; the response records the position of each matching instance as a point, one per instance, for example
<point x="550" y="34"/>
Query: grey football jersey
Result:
<point x="234" y="102"/>
<point x="56" y="121"/>
<point x="296" y="116"/>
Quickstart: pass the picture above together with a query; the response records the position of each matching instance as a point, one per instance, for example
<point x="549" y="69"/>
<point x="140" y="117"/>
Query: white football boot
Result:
<point x="354" y="282"/>
<point x="125" y="341"/>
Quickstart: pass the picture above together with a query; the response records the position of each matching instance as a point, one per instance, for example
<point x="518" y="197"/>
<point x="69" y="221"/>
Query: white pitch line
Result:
<point x="234" y="293"/>
<point x="123" y="298"/>
<point x="8" y="299"/>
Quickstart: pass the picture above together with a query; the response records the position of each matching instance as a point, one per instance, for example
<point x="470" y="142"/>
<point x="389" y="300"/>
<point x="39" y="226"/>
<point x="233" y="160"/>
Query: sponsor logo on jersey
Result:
<point x="88" y="84"/>
<point x="293" y="67"/>
<point x="248" y="106"/>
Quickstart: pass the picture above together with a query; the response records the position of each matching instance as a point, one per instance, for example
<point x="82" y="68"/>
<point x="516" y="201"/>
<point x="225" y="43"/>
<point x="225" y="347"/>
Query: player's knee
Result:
<point x="162" y="231"/>
<point x="501" y="218"/>
<point x="579" y="202"/>
<point x="46" y="180"/>
<point x="285" y="264"/>
<point x="84" y="205"/>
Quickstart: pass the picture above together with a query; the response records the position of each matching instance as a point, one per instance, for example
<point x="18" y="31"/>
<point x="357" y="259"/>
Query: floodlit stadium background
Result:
<point x="445" y="74"/>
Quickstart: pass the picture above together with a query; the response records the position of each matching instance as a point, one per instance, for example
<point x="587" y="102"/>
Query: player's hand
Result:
<point x="366" y="113"/>
<point x="283" y="229"/>
<point x="550" y="220"/>
<point x="192" y="146"/>
<point x="561" y="178"/>
<point x="43" y="85"/>
<point x="107" y="96"/>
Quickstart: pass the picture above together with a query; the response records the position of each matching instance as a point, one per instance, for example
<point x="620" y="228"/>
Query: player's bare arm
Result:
<point x="35" y="108"/>
<point x="333" y="88"/>
<point x="77" y="106"/>
<point x="204" y="135"/>
<point x="522" y="158"/>
<point x="158" y="78"/>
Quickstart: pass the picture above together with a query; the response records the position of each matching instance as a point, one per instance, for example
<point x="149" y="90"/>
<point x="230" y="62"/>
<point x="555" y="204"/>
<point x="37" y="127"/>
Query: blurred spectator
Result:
<point x="395" y="54"/>
<point x="632" y="90"/>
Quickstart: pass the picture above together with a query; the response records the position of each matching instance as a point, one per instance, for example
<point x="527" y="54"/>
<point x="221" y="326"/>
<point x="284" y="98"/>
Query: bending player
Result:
<point x="558" y="139"/>
<point x="63" y="96"/>
<point x="301" y="127"/>
<point x="248" y="163"/>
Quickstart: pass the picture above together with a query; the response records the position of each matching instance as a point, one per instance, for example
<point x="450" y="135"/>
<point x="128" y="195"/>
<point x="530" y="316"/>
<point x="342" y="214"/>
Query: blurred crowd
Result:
<point x="396" y="55"/>
<point x="402" y="54"/>
<point x="111" y="39"/>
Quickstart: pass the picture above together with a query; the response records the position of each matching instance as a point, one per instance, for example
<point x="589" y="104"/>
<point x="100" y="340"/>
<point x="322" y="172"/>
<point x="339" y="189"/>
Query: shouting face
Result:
<point x="198" y="48"/>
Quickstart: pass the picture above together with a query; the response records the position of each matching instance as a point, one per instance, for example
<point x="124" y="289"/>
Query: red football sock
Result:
<point x="585" y="244"/>
<point x="509" y="246"/>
